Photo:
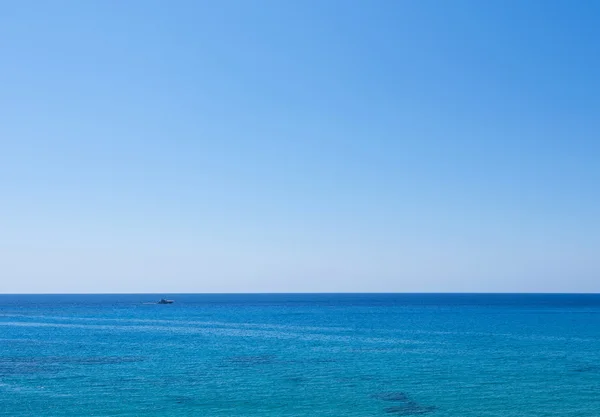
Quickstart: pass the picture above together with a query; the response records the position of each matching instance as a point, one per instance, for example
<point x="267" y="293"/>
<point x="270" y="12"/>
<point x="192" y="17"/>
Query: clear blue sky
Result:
<point x="258" y="146"/>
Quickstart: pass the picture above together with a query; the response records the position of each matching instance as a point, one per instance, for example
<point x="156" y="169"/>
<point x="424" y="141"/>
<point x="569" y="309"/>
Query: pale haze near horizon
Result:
<point x="299" y="147"/>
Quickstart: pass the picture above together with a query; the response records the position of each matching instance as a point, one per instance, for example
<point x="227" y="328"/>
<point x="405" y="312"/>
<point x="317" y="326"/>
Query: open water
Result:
<point x="458" y="355"/>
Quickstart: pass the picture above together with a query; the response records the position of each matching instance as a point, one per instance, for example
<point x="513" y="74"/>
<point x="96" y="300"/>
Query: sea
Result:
<point x="284" y="355"/>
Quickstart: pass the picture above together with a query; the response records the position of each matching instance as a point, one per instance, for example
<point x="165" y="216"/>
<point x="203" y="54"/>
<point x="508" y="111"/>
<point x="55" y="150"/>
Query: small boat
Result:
<point x="165" y="301"/>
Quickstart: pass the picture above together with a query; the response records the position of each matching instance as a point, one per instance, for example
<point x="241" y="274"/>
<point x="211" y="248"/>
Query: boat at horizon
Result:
<point x="165" y="301"/>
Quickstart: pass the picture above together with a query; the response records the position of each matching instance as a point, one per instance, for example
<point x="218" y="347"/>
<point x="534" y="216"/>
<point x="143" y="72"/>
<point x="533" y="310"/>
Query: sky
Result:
<point x="299" y="146"/>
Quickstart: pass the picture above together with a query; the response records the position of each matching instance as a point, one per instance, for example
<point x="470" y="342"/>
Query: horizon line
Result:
<point x="313" y="293"/>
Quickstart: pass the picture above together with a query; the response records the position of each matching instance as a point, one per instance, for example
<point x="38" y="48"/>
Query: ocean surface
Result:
<point x="435" y="355"/>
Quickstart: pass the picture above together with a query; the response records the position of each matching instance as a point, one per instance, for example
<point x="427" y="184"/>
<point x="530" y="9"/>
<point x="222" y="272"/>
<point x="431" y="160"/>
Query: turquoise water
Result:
<point x="300" y="355"/>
